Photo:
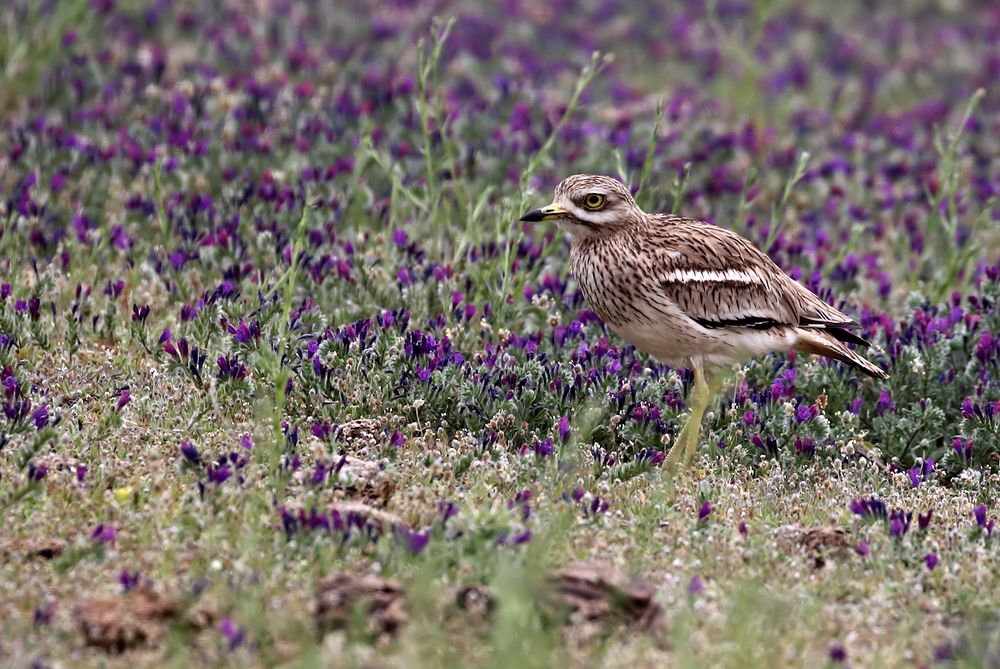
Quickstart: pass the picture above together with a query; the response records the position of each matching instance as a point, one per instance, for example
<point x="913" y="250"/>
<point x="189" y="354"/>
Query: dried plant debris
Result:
<point x="203" y="614"/>
<point x="359" y="433"/>
<point x="599" y="593"/>
<point x="375" y="604"/>
<point x="118" y="623"/>
<point x="32" y="548"/>
<point x="476" y="600"/>
<point x="364" y="479"/>
<point x="820" y="542"/>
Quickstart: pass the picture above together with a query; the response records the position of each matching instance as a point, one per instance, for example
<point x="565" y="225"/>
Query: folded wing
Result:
<point x="720" y="280"/>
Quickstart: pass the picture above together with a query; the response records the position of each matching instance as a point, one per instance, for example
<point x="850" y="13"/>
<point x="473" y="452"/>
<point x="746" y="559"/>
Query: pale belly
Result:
<point x="669" y="342"/>
<point x="680" y="342"/>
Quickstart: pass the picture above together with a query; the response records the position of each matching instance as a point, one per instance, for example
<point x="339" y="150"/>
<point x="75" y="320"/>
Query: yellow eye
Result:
<point x="593" y="201"/>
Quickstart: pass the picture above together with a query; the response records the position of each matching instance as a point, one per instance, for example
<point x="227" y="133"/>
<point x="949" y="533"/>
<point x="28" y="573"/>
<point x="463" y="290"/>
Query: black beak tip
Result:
<point x="532" y="216"/>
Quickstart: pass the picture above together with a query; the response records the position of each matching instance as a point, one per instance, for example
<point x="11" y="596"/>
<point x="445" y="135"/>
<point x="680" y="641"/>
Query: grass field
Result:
<point x="284" y="383"/>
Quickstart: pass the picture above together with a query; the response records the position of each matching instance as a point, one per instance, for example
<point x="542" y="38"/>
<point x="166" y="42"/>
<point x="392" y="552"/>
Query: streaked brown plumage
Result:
<point x="689" y="293"/>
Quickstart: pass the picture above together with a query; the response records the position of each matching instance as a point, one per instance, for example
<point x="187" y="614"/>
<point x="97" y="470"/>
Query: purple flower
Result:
<point x="189" y="451"/>
<point x="963" y="447"/>
<point x="233" y="633"/>
<point x="231" y="368"/>
<point x="319" y="474"/>
<point x="244" y="333"/>
<point x="564" y="429"/>
<point x="123" y="399"/>
<point x="899" y="522"/>
<point x="320" y="430"/>
<point x="397" y="439"/>
<point x="931" y="560"/>
<point x="653" y="457"/>
<point x="926" y="468"/>
<point x="885" y="404"/>
<point x="599" y="505"/>
<point x="399" y="237"/>
<point x="41" y="416"/>
<point x="129" y="580"/>
<point x="37" y="472"/>
<point x="114" y="290"/>
<point x="980" y="513"/>
<point x="968" y="408"/>
<point x="447" y="510"/>
<point x="838" y="654"/>
<point x="704" y="511"/>
<point x="81" y="473"/>
<point x="696" y="585"/>
<point x="104" y="533"/>
<point x="544" y="448"/>
<point x="862" y="548"/>
<point x="219" y="474"/>
<point x="43" y="614"/>
<point x="516" y="540"/>
<point x="986" y="347"/>
<point x="415" y="541"/>
<point x="869" y="508"/>
<point x="805" y="412"/>
<point x="924" y="519"/>
<point x="943" y="653"/>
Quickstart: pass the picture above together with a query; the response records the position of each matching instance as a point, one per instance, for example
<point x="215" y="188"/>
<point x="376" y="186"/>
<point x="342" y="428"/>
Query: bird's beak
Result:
<point x="544" y="214"/>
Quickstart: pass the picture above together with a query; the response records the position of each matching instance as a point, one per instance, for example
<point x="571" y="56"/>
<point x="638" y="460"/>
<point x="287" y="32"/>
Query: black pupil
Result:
<point x="594" y="200"/>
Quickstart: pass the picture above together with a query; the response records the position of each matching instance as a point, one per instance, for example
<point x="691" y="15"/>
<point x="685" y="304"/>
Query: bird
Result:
<point x="689" y="293"/>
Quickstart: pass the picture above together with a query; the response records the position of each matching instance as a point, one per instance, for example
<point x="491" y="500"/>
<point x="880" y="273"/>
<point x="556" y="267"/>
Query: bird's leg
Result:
<point x="710" y="386"/>
<point x="701" y="395"/>
<point x="674" y="456"/>
<point x="686" y="441"/>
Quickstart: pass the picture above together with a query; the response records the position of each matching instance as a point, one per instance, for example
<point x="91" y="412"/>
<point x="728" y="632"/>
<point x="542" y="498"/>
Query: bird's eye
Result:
<point x="593" y="201"/>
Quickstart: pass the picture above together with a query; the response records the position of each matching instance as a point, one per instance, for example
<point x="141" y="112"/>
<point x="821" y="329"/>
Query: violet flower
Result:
<point x="189" y="451"/>
<point x="232" y="632"/>
<point x="704" y="511"/>
<point x="104" y="533"/>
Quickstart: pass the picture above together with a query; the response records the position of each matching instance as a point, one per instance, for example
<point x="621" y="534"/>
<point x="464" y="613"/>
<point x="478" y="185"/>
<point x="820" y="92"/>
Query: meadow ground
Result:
<point x="285" y="384"/>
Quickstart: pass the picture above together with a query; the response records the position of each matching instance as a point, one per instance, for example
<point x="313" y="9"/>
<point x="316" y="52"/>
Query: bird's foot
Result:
<point x="685" y="445"/>
<point x="679" y="448"/>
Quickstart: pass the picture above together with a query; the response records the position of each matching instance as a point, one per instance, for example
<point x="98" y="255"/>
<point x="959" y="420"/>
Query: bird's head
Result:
<point x="587" y="205"/>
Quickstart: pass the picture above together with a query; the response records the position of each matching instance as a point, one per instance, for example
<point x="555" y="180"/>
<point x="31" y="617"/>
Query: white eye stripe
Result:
<point x="599" y="217"/>
<point x="710" y="276"/>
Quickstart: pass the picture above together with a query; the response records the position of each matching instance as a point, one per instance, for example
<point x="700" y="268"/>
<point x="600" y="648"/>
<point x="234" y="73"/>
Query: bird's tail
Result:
<point x="818" y="342"/>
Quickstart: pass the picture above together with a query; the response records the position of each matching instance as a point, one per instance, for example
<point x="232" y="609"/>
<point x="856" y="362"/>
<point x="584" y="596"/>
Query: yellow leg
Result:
<point x="686" y="442"/>
<point x="677" y="450"/>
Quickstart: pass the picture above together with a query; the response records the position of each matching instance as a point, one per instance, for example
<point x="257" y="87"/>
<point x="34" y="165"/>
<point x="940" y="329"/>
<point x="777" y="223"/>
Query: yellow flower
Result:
<point x="123" y="494"/>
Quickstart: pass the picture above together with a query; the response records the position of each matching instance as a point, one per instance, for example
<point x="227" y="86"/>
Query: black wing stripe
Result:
<point x="754" y="322"/>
